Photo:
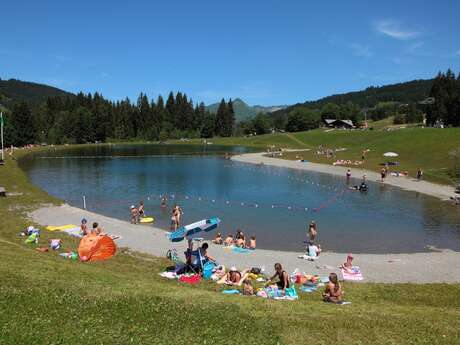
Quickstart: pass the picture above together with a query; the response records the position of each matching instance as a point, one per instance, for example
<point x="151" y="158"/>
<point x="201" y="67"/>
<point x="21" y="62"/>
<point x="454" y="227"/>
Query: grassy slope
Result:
<point x="48" y="300"/>
<point x="425" y="148"/>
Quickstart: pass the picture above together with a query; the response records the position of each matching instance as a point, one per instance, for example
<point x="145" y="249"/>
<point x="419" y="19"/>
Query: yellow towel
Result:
<point x="60" y="227"/>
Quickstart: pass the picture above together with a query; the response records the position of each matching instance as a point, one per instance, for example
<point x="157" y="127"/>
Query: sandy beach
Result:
<point x="439" y="191"/>
<point x="431" y="267"/>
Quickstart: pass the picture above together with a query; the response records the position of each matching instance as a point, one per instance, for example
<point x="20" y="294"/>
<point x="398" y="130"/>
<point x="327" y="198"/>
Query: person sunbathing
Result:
<point x="229" y="240"/>
<point x="218" y="239"/>
<point x="333" y="291"/>
<point x="283" y="278"/>
<point x="348" y="265"/>
<point x="240" y="243"/>
<point x="234" y="277"/>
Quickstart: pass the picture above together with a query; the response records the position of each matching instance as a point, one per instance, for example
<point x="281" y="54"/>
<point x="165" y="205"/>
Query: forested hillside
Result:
<point x="13" y="90"/>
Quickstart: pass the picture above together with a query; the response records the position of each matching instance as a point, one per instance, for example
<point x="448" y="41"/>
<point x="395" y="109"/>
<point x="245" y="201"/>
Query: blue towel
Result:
<point x="240" y="250"/>
<point x="231" y="292"/>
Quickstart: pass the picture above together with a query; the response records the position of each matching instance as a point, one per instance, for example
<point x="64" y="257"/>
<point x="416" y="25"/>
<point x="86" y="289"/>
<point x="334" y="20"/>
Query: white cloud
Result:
<point x="394" y="29"/>
<point x="361" y="50"/>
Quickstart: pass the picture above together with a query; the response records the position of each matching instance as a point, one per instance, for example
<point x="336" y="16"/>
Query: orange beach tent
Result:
<point x="94" y="247"/>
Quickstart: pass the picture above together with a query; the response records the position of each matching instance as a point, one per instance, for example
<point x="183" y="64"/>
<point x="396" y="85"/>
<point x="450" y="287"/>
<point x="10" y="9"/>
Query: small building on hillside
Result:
<point x="334" y="123"/>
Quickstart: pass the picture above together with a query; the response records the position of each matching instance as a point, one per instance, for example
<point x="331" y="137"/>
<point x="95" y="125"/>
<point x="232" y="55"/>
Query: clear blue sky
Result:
<point x="264" y="51"/>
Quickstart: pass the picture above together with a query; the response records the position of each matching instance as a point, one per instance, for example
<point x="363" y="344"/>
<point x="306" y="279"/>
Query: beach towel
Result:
<point x="194" y="279"/>
<point x="308" y="288"/>
<point x="74" y="232"/>
<point x="354" y="275"/>
<point x="240" y="250"/>
<point x="231" y="292"/>
<point x="60" y="227"/>
<point x="169" y="275"/>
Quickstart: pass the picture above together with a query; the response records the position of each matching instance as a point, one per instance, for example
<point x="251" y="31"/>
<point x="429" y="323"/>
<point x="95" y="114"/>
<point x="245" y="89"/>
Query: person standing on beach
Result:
<point x="383" y="174"/>
<point x="348" y="174"/>
<point x="419" y="174"/>
<point x="175" y="218"/>
<point x="312" y="230"/>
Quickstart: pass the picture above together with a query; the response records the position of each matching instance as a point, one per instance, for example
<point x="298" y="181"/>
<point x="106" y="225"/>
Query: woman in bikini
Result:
<point x="333" y="292"/>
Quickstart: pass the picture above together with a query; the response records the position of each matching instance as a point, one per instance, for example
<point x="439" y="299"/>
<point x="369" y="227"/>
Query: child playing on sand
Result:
<point x="333" y="292"/>
<point x="229" y="240"/>
<point x="218" y="239"/>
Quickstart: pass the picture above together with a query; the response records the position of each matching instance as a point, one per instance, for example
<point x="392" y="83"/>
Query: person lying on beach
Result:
<point x="347" y="266"/>
<point x="229" y="240"/>
<point x="218" y="239"/>
<point x="333" y="291"/>
<point x="234" y="277"/>
<point x="84" y="227"/>
<point x="283" y="278"/>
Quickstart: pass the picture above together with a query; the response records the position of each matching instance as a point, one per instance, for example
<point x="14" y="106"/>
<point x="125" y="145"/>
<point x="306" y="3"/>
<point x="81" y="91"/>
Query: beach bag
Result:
<point x="207" y="270"/>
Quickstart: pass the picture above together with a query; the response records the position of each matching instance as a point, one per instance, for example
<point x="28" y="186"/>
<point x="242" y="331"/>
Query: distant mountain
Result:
<point x="243" y="111"/>
<point x="13" y="90"/>
<point x="411" y="91"/>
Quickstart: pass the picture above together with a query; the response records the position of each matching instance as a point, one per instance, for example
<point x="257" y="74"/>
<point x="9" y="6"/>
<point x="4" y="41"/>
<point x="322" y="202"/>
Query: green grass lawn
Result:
<point x="45" y="299"/>
<point x="425" y="148"/>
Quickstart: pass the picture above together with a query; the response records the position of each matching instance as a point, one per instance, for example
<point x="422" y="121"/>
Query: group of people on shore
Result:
<point x="239" y="240"/>
<point x="137" y="212"/>
<point x="96" y="229"/>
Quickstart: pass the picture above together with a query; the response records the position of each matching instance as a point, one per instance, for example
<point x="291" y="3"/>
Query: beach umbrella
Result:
<point x="204" y="225"/>
<point x="390" y="154"/>
<point x="95" y="247"/>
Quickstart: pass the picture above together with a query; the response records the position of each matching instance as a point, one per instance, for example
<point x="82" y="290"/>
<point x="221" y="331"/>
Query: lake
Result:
<point x="274" y="204"/>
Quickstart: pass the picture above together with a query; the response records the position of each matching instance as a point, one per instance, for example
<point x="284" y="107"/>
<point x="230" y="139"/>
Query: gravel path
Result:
<point x="433" y="267"/>
<point x="439" y="191"/>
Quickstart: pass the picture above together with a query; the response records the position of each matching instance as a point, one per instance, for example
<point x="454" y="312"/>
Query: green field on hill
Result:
<point x="424" y="148"/>
<point x="46" y="299"/>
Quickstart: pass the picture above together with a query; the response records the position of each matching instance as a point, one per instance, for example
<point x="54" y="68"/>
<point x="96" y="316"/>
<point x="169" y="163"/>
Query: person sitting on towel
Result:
<point x="333" y="292"/>
<point x="218" y="239"/>
<point x="283" y="278"/>
<point x="84" y="227"/>
<point x="313" y="250"/>
<point x="347" y="266"/>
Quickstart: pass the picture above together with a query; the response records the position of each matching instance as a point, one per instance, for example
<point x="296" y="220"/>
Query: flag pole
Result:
<point x="1" y="125"/>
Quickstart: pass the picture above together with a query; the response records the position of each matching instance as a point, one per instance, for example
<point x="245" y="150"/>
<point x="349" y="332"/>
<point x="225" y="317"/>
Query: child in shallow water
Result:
<point x="333" y="292"/>
<point x="218" y="239"/>
<point x="229" y="240"/>
<point x="252" y="242"/>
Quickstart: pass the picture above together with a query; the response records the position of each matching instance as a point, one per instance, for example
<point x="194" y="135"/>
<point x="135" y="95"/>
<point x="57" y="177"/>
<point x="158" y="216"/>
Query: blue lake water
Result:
<point x="275" y="204"/>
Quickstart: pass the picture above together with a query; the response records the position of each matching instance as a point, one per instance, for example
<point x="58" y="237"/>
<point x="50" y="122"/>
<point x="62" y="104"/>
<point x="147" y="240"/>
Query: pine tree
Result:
<point x="23" y="122"/>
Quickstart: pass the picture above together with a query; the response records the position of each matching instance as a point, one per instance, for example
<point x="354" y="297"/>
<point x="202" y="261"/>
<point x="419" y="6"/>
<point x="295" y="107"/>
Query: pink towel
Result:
<point x="356" y="275"/>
